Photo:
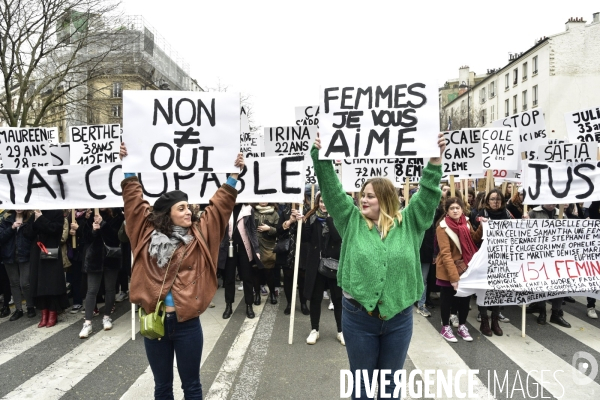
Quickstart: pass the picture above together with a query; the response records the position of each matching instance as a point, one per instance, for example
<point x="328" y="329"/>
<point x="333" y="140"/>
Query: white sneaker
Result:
<point x="326" y="295"/>
<point x="330" y="305"/>
<point x="12" y="301"/>
<point x="107" y="323"/>
<point x="76" y="308"/>
<point x="313" y="337"/>
<point x="454" y="320"/>
<point x="121" y="296"/>
<point x="340" y="338"/>
<point x="241" y="287"/>
<point x="592" y="313"/>
<point x="86" y="331"/>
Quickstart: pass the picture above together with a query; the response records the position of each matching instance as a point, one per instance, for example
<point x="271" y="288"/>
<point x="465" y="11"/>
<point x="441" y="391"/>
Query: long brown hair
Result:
<point x="162" y="220"/>
<point x="389" y="204"/>
<point x="26" y="214"/>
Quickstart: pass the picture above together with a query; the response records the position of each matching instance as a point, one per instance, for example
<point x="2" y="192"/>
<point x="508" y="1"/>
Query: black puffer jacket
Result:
<point x="14" y="246"/>
<point x="95" y="253"/>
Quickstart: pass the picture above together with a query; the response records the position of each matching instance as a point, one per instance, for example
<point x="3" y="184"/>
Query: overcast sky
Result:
<point x="282" y="52"/>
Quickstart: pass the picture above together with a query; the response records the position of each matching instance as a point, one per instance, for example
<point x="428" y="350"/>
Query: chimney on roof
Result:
<point x="596" y="17"/>
<point x="574" y="22"/>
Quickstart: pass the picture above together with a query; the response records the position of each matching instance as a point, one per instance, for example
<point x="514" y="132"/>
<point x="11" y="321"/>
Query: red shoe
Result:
<point x="52" y="315"/>
<point x="44" y="320"/>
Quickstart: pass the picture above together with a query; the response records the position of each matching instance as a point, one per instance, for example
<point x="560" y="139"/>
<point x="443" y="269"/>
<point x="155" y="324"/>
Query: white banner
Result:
<point x="532" y="131"/>
<point x="95" y="144"/>
<point x="387" y="121"/>
<point x="307" y="115"/>
<point x="463" y="153"/>
<point x="27" y="147"/>
<point x="583" y="125"/>
<point x="500" y="148"/>
<point x="171" y="131"/>
<point x="561" y="183"/>
<point x="355" y="172"/>
<point x="522" y="261"/>
<point x="61" y="154"/>
<point x="274" y="179"/>
<point x="569" y="152"/>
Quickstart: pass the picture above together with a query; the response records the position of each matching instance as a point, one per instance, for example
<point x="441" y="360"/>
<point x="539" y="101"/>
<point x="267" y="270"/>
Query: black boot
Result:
<point x="228" y="311"/>
<point x="288" y="310"/>
<point x="4" y="312"/>
<point x="273" y="298"/>
<point x="30" y="312"/>
<point x="249" y="312"/>
<point x="257" y="299"/>
<point x="304" y="309"/>
<point x="16" y="315"/>
<point x="541" y="319"/>
<point x="557" y="318"/>
<point x="496" y="326"/>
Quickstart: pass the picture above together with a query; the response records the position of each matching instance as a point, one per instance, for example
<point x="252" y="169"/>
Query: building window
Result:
<point x="492" y="113"/>
<point x="483" y="117"/>
<point x="506" y="108"/>
<point x="515" y="104"/>
<point x="535" y="96"/>
<point x="515" y="76"/>
<point x="117" y="89"/>
<point x="482" y="97"/>
<point x="524" y="100"/>
<point x="506" y="81"/>
<point x="492" y="89"/>
<point x="535" y="65"/>
<point x="524" y="71"/>
<point x="116" y="111"/>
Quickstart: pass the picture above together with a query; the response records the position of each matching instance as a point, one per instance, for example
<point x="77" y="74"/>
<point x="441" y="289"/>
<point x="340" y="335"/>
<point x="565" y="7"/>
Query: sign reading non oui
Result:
<point x="356" y="172"/>
<point x="388" y="121"/>
<point x="276" y="179"/>
<point x="27" y="147"/>
<point x="171" y="131"/>
<point x="95" y="144"/>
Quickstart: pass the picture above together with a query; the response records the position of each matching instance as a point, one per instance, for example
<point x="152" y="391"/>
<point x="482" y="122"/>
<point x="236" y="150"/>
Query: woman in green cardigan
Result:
<point x="379" y="270"/>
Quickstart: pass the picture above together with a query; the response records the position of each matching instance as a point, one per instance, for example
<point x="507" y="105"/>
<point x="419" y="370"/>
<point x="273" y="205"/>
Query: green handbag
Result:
<point x="152" y="326"/>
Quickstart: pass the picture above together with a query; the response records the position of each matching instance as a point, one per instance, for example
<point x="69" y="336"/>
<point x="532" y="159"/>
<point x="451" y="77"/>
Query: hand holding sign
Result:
<point x="442" y="145"/>
<point x="123" y="151"/>
<point x="239" y="163"/>
<point x="318" y="142"/>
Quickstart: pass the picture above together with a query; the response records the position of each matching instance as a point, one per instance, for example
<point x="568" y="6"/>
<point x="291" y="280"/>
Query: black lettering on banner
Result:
<point x="177" y="177"/>
<point x="383" y="138"/>
<point x="417" y="94"/>
<point x="177" y="114"/>
<point x="285" y="174"/>
<point x="110" y="179"/>
<point x="209" y="114"/>
<point x="58" y="158"/>
<point x="42" y="183"/>
<point x="164" y="190"/>
<point x="383" y="94"/>
<point x="205" y="150"/>
<point x="61" y="185"/>
<point x="538" y="179"/>
<point x="89" y="187"/>
<point x="402" y="140"/>
<point x="205" y="180"/>
<point x="354" y="119"/>
<point x="343" y="147"/>
<point x="257" y="181"/>
<point x="346" y="97"/>
<point x="585" y="178"/>
<point x="192" y="163"/>
<point x="555" y="193"/>
<point x="329" y="98"/>
<point x="153" y="155"/>
<point x="167" y="115"/>
<point x="9" y="173"/>
<point x="361" y="92"/>
<point x="186" y="137"/>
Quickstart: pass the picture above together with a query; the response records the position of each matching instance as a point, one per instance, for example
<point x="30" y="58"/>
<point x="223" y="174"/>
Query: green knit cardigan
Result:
<point x="376" y="272"/>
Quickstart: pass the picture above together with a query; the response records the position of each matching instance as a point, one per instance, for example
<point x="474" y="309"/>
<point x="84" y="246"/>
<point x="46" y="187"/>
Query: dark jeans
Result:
<point x="494" y="309"/>
<point x="372" y="343"/>
<point x="262" y="276"/>
<point x="288" y="278"/>
<point x="185" y="341"/>
<point x="18" y="274"/>
<point x="94" y="280"/>
<point x="74" y="276"/>
<point x="448" y="302"/>
<point x="317" y="297"/>
<point x="591" y="302"/>
<point x="241" y="262"/>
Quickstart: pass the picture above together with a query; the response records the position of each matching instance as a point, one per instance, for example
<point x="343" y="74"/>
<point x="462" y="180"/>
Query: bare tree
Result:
<point x="50" y="50"/>
<point x="462" y="119"/>
<point x="246" y="102"/>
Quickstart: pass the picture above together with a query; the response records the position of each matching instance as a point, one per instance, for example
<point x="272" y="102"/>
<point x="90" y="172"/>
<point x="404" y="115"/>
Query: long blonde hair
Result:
<point x="389" y="204"/>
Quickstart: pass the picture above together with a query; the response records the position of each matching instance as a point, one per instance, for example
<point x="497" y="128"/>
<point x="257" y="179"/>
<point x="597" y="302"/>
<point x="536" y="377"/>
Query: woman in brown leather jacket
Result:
<point x="174" y="255"/>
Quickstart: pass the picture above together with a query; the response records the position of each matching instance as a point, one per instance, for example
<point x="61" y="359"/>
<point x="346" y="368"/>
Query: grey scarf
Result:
<point x="162" y="246"/>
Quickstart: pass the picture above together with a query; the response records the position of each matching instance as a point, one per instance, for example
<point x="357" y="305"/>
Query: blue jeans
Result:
<point x="425" y="272"/>
<point x="185" y="340"/>
<point x="373" y="344"/>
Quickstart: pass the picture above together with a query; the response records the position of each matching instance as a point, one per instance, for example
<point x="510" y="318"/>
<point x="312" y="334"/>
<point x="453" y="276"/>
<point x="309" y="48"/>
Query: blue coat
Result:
<point x="14" y="246"/>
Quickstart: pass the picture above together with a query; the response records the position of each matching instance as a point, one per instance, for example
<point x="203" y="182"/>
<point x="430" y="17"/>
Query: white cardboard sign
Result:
<point x="172" y="131"/>
<point x="95" y="144"/>
<point x="387" y="121"/>
<point x="292" y="140"/>
<point x="356" y="172"/>
<point x="569" y="152"/>
<point x="307" y="115"/>
<point x="500" y="148"/>
<point x="463" y="153"/>
<point x="274" y="179"/>
<point x="532" y="130"/>
<point x="27" y="147"/>
<point x="583" y="125"/>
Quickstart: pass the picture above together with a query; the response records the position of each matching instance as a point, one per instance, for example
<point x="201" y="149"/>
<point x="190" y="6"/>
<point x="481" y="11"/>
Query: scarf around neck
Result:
<point x="322" y="218"/>
<point x="265" y="209"/>
<point x="162" y="246"/>
<point x="461" y="228"/>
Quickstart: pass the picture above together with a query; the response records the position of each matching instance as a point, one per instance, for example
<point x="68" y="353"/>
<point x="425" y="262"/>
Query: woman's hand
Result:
<point x="442" y="146"/>
<point x="37" y="214"/>
<point x="74" y="226"/>
<point x="239" y="163"/>
<point x="97" y="219"/>
<point x="482" y="219"/>
<point x="16" y="224"/>
<point x="263" y="228"/>
<point x="88" y="213"/>
<point x="525" y="216"/>
<point x="123" y="151"/>
<point x="454" y="285"/>
<point x="318" y="142"/>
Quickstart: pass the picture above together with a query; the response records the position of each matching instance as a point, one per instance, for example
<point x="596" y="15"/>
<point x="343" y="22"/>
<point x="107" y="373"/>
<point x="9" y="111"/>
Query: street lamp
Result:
<point x="464" y="85"/>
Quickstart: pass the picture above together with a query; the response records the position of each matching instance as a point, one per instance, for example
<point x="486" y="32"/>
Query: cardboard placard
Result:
<point x="27" y="147"/>
<point x="172" y="131"/>
<point x="387" y="121"/>
<point x="356" y="172"/>
<point x="500" y="148"/>
<point x="95" y="144"/>
<point x="583" y="125"/>
<point x="307" y="115"/>
<point x="532" y="130"/>
<point x="462" y="156"/>
<point x="569" y="152"/>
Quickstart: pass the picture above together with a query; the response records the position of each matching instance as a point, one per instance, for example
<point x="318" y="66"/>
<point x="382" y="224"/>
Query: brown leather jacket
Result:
<point x="193" y="282"/>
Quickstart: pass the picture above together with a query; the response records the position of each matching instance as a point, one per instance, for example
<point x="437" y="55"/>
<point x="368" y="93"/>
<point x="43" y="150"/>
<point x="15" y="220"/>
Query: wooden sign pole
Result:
<point x="74" y="243"/>
<point x="452" y="186"/>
